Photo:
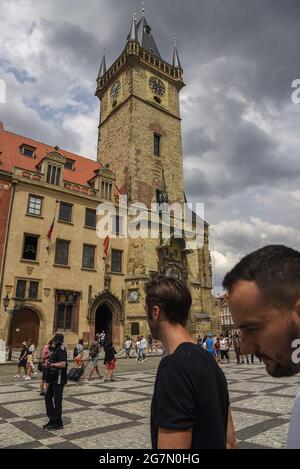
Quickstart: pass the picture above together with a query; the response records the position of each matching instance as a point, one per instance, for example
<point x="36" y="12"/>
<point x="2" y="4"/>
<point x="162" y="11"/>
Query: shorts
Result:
<point x="110" y="365"/>
<point x="22" y="364"/>
<point x="95" y="361"/>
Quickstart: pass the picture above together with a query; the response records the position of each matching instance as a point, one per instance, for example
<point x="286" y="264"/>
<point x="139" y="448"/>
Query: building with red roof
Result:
<point x="60" y="272"/>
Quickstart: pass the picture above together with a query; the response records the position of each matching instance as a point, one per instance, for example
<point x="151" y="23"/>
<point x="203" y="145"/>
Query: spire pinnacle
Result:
<point x="176" y="61"/>
<point x="143" y="9"/>
<point x="102" y="69"/>
<point x="133" y="31"/>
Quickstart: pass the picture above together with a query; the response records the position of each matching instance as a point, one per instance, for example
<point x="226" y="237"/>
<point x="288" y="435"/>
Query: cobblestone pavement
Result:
<point x="115" y="414"/>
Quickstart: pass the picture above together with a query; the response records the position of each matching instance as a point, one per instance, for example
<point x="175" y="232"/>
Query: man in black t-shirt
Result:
<point x="190" y="405"/>
<point x="56" y="377"/>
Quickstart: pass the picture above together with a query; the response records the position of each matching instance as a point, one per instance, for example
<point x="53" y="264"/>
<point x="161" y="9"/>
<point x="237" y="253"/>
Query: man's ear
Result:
<point x="155" y="313"/>
<point x="297" y="311"/>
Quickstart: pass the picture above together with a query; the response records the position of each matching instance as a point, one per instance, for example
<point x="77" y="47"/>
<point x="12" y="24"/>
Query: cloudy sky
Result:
<point x="241" y="130"/>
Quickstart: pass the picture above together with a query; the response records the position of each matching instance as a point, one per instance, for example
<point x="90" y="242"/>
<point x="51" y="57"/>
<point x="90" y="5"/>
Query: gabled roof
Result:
<point x="10" y="156"/>
<point x="146" y="39"/>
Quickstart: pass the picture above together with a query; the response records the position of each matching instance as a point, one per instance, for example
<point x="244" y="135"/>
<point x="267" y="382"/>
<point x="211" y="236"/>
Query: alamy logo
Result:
<point x="164" y="221"/>
<point x="296" y="94"/>
<point x="2" y="92"/>
<point x="296" y="353"/>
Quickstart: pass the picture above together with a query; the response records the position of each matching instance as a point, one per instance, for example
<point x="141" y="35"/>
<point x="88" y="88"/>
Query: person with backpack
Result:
<point x="109" y="361"/>
<point x="143" y="347"/>
<point x="31" y="373"/>
<point x="217" y="349"/>
<point x="23" y="360"/>
<point x="224" y="348"/>
<point x="150" y="343"/>
<point x="94" y="356"/>
<point x="45" y="354"/>
<point x="137" y="348"/>
<point x="210" y="345"/>
<point x="78" y="354"/>
<point x="128" y="345"/>
<point x="56" y="376"/>
<point x="237" y="348"/>
<point x="102" y="340"/>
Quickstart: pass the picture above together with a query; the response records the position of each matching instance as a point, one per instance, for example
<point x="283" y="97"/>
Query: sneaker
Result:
<point x="47" y="425"/>
<point x="55" y="426"/>
<point x="42" y="394"/>
<point x="17" y="376"/>
<point x="27" y="378"/>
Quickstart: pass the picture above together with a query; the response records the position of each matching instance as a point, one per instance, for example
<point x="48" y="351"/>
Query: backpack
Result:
<point x="75" y="352"/>
<point x="94" y="351"/>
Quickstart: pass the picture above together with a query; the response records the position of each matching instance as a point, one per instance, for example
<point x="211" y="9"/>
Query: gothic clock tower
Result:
<point x="140" y="125"/>
<point x="140" y="139"/>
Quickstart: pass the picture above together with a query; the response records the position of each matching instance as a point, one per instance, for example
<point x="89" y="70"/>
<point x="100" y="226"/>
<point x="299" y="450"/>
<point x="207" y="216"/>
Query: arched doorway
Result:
<point x="25" y="324"/>
<point x="103" y="321"/>
<point x="106" y="313"/>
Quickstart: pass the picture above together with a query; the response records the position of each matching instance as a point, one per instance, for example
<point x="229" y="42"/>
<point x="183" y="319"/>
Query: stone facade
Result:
<point x="80" y="301"/>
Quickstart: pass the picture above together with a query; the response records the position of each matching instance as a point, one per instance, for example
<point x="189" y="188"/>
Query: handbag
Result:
<point x="40" y="366"/>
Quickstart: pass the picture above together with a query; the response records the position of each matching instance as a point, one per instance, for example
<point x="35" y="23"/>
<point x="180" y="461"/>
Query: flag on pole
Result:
<point x="106" y="245"/>
<point x="50" y="230"/>
<point x="49" y="234"/>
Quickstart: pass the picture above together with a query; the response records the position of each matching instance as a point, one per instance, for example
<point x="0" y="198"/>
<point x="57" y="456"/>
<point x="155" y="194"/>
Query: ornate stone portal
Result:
<point x="105" y="303"/>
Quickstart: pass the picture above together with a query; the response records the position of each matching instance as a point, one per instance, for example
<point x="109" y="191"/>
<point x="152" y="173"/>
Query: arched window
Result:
<point x="53" y="175"/>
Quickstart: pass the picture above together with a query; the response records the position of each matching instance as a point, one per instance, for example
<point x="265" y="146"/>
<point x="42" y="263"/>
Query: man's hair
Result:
<point x="276" y="271"/>
<point x="171" y="295"/>
<point x="58" y="339"/>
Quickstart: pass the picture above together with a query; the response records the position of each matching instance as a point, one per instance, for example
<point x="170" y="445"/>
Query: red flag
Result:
<point x="106" y="245"/>
<point x="50" y="230"/>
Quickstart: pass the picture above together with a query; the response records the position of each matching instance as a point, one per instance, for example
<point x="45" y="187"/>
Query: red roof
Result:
<point x="10" y="156"/>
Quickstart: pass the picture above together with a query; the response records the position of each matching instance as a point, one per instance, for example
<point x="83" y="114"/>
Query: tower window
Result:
<point x="69" y="164"/>
<point x="106" y="190"/>
<point x="30" y="247"/>
<point x="65" y="212"/>
<point x="135" y="328"/>
<point x="157" y="144"/>
<point x="148" y="30"/>
<point x="62" y="252"/>
<point x="116" y="261"/>
<point x="90" y="217"/>
<point x="21" y="288"/>
<point x="27" y="150"/>
<point x="53" y="175"/>
<point x="117" y="224"/>
<point x="34" y="205"/>
<point x="88" y="261"/>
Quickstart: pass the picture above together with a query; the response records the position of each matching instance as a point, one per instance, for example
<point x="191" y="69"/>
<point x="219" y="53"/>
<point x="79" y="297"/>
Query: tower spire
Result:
<point x="133" y="31"/>
<point x="143" y="9"/>
<point x="102" y="69"/>
<point x="176" y="62"/>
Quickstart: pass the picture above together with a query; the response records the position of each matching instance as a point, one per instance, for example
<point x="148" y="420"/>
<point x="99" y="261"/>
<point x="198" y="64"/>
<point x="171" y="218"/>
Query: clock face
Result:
<point x="133" y="295"/>
<point x="115" y="91"/>
<point x="157" y="86"/>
